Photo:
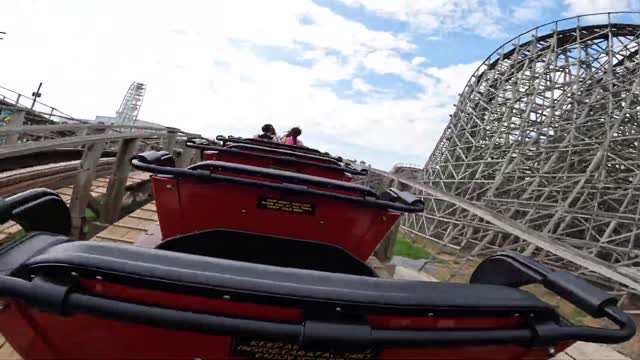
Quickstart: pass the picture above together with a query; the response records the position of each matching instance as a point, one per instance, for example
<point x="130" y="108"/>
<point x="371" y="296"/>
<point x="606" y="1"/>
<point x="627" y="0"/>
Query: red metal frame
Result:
<point x="277" y="164"/>
<point x="186" y="205"/>
<point x="35" y="334"/>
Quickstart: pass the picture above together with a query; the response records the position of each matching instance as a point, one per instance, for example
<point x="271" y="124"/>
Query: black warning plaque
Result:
<point x="286" y="206"/>
<point x="276" y="350"/>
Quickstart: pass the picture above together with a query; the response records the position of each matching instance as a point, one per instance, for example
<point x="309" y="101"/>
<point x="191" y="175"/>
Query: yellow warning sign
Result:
<point x="284" y="205"/>
<point x="275" y="350"/>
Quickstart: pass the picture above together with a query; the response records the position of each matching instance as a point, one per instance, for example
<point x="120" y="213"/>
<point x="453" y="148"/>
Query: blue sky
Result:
<point x="374" y="80"/>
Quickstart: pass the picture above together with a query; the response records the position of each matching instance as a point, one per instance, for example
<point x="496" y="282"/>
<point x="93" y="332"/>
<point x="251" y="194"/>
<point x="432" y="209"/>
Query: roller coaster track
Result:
<point x="505" y="224"/>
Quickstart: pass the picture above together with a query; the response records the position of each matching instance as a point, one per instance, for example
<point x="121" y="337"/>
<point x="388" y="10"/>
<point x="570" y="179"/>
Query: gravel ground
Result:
<point x="412" y="264"/>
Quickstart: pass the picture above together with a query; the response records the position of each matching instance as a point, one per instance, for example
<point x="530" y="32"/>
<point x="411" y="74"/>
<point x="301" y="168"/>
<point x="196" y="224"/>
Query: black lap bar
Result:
<point x="316" y="292"/>
<point x="292" y="182"/>
<point x="345" y="167"/>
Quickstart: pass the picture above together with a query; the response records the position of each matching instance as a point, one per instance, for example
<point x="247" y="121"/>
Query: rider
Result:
<point x="291" y="138"/>
<point x="268" y="133"/>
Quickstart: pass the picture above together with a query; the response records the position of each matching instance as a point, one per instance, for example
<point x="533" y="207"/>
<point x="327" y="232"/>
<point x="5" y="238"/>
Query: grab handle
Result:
<point x="362" y="172"/>
<point x="403" y="197"/>
<point x="37" y="210"/>
<point x="515" y="270"/>
<point x="197" y="141"/>
<point x="157" y="158"/>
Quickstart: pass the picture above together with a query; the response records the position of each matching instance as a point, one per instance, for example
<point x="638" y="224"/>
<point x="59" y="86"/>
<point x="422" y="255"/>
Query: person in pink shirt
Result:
<point x="291" y="138"/>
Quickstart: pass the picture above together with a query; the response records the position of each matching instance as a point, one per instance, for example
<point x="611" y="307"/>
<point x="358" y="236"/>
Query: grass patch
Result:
<point x="406" y="248"/>
<point x="9" y="240"/>
<point x="89" y="215"/>
<point x="19" y="235"/>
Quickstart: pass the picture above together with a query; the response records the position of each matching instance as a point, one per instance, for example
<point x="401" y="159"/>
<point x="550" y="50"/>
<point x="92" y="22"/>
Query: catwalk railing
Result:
<point x="17" y="99"/>
<point x="18" y="141"/>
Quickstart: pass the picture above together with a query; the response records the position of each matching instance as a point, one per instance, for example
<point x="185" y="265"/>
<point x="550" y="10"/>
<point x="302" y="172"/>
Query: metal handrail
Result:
<point x="36" y="129"/>
<point x="51" y="111"/>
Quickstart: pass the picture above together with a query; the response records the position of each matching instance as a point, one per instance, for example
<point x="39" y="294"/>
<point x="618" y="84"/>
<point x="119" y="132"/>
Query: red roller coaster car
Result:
<point x="68" y="299"/>
<point x="212" y="194"/>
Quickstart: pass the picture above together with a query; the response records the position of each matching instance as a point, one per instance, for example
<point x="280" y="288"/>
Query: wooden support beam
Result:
<point x="170" y="141"/>
<point x="82" y="187"/>
<point x="186" y="157"/>
<point x="94" y="204"/>
<point x="384" y="251"/>
<point x="112" y="200"/>
<point x="17" y="119"/>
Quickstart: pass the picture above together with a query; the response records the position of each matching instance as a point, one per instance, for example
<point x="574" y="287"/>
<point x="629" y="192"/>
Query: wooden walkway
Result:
<point x="141" y="228"/>
<point x="6" y="351"/>
<point x="98" y="189"/>
<point x="131" y="228"/>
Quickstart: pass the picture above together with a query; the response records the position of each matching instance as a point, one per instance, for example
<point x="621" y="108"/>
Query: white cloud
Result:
<point x="418" y="60"/>
<point x="483" y="17"/>
<point x="388" y="62"/>
<point x="530" y="10"/>
<point x="202" y="73"/>
<point x="453" y="78"/>
<point x="582" y="7"/>
<point x="358" y="84"/>
<point x="477" y="16"/>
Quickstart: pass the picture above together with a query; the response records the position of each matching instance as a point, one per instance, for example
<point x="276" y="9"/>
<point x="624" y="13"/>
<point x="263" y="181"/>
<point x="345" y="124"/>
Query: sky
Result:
<point x="372" y="80"/>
